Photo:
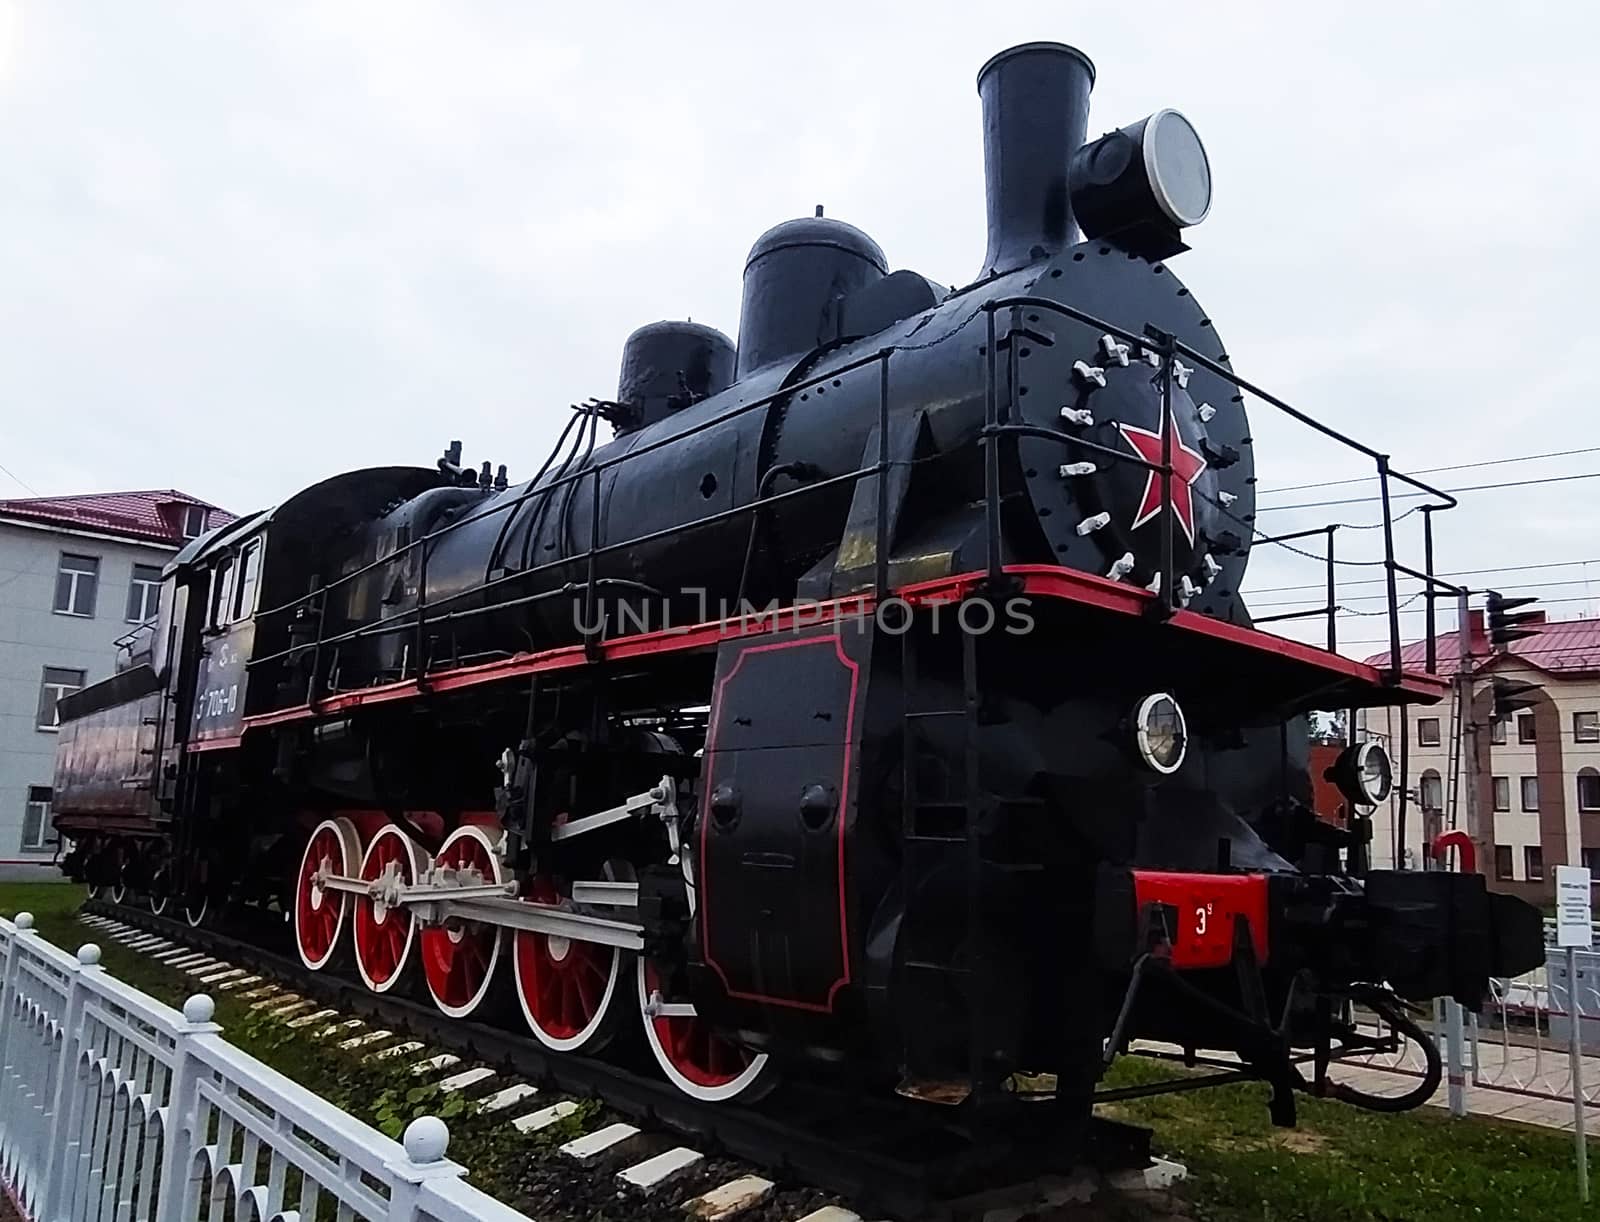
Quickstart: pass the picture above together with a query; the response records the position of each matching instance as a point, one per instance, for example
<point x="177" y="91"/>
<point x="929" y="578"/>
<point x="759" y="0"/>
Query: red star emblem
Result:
<point x="1187" y="465"/>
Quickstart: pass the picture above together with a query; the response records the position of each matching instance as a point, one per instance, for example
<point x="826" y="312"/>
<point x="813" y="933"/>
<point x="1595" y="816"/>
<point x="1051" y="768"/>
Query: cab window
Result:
<point x="244" y="596"/>
<point x="217" y="618"/>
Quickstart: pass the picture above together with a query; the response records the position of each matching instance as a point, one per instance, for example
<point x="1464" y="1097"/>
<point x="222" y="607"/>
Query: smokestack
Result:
<point x="1035" y="114"/>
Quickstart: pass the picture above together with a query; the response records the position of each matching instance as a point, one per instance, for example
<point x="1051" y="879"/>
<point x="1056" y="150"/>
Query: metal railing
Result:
<point x="999" y="426"/>
<point x="114" y="1106"/>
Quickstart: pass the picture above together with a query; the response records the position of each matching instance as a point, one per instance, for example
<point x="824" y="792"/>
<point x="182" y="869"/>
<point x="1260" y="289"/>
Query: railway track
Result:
<point x="807" y="1155"/>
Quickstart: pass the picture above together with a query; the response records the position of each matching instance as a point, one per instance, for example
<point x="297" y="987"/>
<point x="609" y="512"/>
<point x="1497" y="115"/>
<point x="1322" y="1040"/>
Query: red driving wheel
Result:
<point x="696" y="1059"/>
<point x="566" y="987"/>
<point x="385" y="933"/>
<point x="319" y="912"/>
<point x="459" y="958"/>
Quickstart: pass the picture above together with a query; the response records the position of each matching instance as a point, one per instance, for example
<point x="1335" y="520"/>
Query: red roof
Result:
<point x="1561" y="647"/>
<point x="156" y="516"/>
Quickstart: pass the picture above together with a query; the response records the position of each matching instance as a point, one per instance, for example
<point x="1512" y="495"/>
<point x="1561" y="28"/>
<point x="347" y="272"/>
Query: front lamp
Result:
<point x="1160" y="733"/>
<point x="1363" y="774"/>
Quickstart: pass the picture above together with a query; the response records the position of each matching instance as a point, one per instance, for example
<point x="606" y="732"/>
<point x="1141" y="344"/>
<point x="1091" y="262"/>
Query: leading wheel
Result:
<point x="567" y="988"/>
<point x="696" y="1059"/>
<point x="195" y="911"/>
<point x="319" y="912"/>
<point x="385" y="933"/>
<point x="459" y="958"/>
<point x="119" y="889"/>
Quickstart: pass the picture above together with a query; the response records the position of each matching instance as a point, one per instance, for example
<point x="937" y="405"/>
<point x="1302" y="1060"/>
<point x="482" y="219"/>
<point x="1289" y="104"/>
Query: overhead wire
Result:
<point x="1464" y="466"/>
<point x="1398" y="496"/>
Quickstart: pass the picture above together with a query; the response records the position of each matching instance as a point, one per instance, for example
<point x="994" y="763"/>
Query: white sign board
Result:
<point x="1574" y="920"/>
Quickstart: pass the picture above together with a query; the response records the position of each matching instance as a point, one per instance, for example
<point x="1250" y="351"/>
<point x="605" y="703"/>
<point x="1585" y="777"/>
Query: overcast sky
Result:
<point x="243" y="246"/>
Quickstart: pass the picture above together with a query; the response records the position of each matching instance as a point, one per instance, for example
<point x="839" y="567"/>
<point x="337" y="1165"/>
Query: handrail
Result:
<point x="998" y="424"/>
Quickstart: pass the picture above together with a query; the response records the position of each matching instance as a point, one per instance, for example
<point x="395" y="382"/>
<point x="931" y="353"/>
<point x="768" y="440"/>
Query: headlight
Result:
<point x="1363" y="774"/>
<point x="1160" y="732"/>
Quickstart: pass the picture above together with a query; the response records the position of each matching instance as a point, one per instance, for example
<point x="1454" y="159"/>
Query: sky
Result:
<point x="246" y="246"/>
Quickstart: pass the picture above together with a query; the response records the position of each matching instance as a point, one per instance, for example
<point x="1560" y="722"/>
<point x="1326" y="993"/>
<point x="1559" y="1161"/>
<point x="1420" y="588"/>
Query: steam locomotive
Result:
<point x="878" y="701"/>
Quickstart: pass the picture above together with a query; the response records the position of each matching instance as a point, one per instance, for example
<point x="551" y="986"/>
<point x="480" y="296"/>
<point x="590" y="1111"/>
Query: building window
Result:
<point x="1588" y="789"/>
<point x="144" y="594"/>
<point x="1586" y="727"/>
<point x="36" y="830"/>
<point x="76" y="582"/>
<point x="1591" y="861"/>
<point x="58" y="681"/>
<point x="194" y="521"/>
<point x="1502" y="792"/>
<point x="1431" y="791"/>
<point x="1497" y="732"/>
<point x="1427" y="731"/>
<point x="1530" y="793"/>
<point x="1502" y="862"/>
<point x="244" y="592"/>
<point x="1533" y="863"/>
<point x="1525" y="728"/>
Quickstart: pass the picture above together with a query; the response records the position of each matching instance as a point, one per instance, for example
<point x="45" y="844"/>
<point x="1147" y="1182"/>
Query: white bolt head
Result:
<point x="199" y="1009"/>
<point x="1085" y="374"/>
<point x="426" y="1139"/>
<point x="1227" y="498"/>
<point x="1094" y="523"/>
<point x="1068" y="469"/>
<point x="1080" y="416"/>
<point x="1121" y="567"/>
<point x="1150" y="357"/>
<point x="88" y="954"/>
<point x="24" y="920"/>
<point x="1212" y="567"/>
<point x="1206" y="412"/>
<point x="1114" y="352"/>
<point x="1180" y="373"/>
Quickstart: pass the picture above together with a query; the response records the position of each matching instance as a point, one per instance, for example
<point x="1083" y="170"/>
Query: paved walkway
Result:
<point x="1523" y="1080"/>
<point x="1484" y="1100"/>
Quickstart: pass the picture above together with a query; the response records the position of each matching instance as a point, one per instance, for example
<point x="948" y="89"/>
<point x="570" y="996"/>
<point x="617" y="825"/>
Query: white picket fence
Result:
<point x="116" y="1107"/>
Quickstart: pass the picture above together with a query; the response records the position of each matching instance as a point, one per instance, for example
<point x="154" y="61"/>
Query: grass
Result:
<point x="1342" y="1164"/>
<point x="382" y="1093"/>
<point x="1339" y="1165"/>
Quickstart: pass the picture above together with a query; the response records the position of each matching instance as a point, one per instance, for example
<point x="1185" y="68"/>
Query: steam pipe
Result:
<point x="1035" y="114"/>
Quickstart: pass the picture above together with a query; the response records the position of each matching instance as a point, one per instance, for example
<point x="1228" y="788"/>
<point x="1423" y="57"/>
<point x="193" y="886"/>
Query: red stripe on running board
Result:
<point x="1040" y="580"/>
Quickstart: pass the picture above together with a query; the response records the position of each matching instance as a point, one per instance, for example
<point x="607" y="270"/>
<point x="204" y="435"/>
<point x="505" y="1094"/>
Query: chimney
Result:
<point x="1035" y="114"/>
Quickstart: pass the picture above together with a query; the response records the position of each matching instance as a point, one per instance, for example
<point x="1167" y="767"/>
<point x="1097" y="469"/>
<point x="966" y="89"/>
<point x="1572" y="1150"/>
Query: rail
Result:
<point x="114" y="1106"/>
<point x="997" y="429"/>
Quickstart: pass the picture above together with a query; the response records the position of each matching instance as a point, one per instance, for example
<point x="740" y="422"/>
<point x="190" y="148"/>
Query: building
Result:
<point x="1539" y="769"/>
<point x="77" y="574"/>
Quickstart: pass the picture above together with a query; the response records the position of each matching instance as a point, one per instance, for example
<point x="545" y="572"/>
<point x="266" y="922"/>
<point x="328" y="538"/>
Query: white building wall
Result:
<point x="33" y="636"/>
<point x="1513" y="760"/>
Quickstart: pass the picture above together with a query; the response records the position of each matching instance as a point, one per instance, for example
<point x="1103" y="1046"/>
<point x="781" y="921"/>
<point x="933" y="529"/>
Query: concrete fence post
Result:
<point x="66" y="1100"/>
<point x="425" y="1141"/>
<point x="183" y="1104"/>
<point x="1455" y="1067"/>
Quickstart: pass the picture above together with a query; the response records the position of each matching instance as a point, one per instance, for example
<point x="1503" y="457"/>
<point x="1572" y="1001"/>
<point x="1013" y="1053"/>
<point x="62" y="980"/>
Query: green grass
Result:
<point x="1342" y="1164"/>
<point x="382" y="1093"/>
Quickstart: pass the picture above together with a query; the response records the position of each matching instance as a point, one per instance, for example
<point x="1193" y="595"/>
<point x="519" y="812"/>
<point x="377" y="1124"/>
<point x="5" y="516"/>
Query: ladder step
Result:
<point x="926" y="713"/>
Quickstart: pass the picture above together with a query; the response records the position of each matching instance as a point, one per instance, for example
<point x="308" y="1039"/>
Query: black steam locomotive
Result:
<point x="879" y="700"/>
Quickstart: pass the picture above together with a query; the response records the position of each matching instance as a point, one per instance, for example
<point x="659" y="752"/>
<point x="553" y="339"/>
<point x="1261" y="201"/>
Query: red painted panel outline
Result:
<point x="844" y="808"/>
<point x="1207" y="905"/>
